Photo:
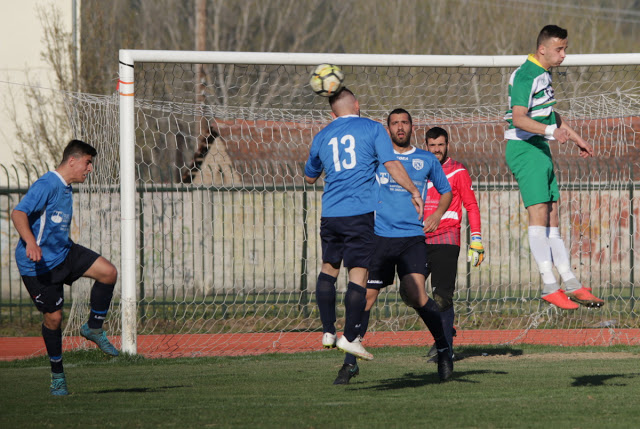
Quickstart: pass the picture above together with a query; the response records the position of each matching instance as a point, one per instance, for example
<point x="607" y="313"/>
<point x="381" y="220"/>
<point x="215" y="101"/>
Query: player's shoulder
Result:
<point x="422" y="153"/>
<point x="528" y="71"/>
<point x="48" y="179"/>
<point x="451" y="165"/>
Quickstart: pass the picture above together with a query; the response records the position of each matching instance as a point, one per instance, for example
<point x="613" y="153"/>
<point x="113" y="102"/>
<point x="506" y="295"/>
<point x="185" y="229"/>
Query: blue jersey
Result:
<point x="49" y="207"/>
<point x="396" y="215"/>
<point x="349" y="150"/>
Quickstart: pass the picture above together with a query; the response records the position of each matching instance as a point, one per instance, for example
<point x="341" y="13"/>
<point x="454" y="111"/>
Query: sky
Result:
<point x="21" y="35"/>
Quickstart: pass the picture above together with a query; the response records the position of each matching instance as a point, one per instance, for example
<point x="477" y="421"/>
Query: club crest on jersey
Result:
<point x="418" y="164"/>
<point x="384" y="178"/>
<point x="57" y="217"/>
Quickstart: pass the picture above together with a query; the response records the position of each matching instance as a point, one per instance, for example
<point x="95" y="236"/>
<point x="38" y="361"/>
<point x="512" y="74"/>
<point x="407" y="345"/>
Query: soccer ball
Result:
<point x="327" y="80"/>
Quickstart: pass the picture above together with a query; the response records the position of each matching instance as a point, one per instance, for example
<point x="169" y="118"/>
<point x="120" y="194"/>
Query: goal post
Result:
<point x="467" y="94"/>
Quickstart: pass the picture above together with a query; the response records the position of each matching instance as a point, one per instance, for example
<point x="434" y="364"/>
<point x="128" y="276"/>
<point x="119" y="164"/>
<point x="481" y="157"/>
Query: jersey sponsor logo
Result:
<point x="384" y="178"/>
<point x="374" y="282"/>
<point x="418" y="164"/>
<point x="56" y="217"/>
<point x="403" y="158"/>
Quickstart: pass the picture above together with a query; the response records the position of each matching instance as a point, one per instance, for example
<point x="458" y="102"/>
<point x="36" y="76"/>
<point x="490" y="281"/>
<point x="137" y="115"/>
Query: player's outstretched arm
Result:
<point x="401" y="177"/>
<point x="21" y="223"/>
<point x="586" y="150"/>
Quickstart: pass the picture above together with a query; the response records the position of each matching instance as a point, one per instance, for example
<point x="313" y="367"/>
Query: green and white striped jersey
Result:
<point x="530" y="86"/>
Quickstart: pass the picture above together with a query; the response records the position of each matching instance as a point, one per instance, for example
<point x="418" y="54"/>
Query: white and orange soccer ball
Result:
<point x="327" y="80"/>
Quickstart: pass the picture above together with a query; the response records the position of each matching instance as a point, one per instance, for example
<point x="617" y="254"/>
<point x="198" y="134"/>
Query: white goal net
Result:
<point x="200" y="198"/>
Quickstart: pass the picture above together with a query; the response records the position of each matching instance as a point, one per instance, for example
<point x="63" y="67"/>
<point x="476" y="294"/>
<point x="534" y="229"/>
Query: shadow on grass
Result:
<point x="412" y="380"/>
<point x="600" y="380"/>
<point x="468" y="352"/>
<point x="140" y="389"/>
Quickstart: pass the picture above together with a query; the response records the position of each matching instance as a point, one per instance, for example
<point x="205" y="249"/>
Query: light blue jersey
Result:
<point x="396" y="215"/>
<point x="49" y="207"/>
<point x="349" y="150"/>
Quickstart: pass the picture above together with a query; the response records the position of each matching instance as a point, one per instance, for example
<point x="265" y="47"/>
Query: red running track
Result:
<point x="193" y="345"/>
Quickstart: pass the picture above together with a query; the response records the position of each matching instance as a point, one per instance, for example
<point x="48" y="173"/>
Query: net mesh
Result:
<point x="228" y="234"/>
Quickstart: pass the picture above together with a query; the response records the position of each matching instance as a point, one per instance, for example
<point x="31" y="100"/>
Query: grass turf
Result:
<point x="492" y="387"/>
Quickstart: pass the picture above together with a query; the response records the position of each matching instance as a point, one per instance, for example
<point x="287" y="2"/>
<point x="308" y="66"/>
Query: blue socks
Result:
<point x="326" y="300"/>
<point x="101" y="294"/>
<point x="53" y="343"/>
<point x="355" y="301"/>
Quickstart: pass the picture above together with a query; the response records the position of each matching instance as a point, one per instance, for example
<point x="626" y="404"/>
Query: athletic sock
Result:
<point x="53" y="343"/>
<point x="448" y="317"/>
<point x="101" y="294"/>
<point x="364" y="324"/>
<point x="432" y="317"/>
<point x="559" y="253"/>
<point x="541" y="251"/>
<point x="355" y="301"/>
<point x="326" y="300"/>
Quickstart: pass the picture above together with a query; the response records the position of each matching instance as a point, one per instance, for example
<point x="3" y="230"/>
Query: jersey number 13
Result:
<point x="348" y="147"/>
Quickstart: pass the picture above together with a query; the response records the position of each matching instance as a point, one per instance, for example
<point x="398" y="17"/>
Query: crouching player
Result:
<point x="47" y="258"/>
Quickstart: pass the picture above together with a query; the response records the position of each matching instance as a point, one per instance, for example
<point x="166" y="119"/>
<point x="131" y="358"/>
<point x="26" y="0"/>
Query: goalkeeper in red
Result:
<point x="443" y="244"/>
<point x="532" y="124"/>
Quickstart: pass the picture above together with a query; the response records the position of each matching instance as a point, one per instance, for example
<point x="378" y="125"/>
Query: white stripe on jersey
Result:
<point x="43" y="221"/>
<point x="450" y="215"/>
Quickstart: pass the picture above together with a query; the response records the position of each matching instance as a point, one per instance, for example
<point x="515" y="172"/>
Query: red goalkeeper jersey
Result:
<point x="449" y="230"/>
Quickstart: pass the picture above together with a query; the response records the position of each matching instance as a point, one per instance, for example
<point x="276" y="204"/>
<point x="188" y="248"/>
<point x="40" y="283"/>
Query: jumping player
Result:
<point x="532" y="124"/>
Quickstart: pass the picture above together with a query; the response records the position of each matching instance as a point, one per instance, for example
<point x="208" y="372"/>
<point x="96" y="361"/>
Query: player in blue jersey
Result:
<point x="399" y="238"/>
<point x="349" y="151"/>
<point x="47" y="258"/>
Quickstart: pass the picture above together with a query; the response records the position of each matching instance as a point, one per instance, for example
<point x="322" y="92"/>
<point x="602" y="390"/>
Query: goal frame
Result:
<point x="126" y="90"/>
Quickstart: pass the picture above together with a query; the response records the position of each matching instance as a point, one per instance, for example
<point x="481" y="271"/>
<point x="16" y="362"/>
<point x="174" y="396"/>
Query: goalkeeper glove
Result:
<point x="476" y="251"/>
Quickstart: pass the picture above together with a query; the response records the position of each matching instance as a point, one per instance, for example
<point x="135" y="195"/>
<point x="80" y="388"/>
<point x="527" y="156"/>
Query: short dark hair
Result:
<point x="549" y="32"/>
<point x="77" y="148"/>
<point x="399" y="111"/>
<point x="435" y="132"/>
<point x="338" y="95"/>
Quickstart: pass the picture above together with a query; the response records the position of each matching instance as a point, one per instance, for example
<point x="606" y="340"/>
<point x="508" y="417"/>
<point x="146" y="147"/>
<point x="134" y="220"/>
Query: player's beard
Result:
<point x="444" y="155"/>
<point x="404" y="143"/>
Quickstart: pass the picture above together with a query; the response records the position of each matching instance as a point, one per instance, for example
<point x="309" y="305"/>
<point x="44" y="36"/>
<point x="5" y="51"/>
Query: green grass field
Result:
<point x="493" y="387"/>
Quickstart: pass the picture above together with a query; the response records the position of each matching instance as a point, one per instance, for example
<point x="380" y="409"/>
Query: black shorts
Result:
<point x="442" y="265"/>
<point x="406" y="254"/>
<point x="347" y="239"/>
<point x="47" y="291"/>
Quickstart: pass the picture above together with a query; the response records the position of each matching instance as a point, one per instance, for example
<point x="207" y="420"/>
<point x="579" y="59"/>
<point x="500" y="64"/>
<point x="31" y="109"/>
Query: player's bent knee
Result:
<point x="444" y="302"/>
<point x="53" y="320"/>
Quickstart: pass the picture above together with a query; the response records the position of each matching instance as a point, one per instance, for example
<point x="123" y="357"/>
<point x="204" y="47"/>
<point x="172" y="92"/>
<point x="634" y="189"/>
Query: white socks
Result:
<point x="559" y="252"/>
<point x="548" y="249"/>
<point x="541" y="251"/>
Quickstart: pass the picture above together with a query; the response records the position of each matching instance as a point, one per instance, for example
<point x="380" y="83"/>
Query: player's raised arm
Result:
<point x="399" y="174"/>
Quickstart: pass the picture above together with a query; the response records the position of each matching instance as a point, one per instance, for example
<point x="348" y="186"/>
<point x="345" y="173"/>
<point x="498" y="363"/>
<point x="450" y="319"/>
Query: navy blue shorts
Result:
<point x="47" y="289"/>
<point x="406" y="254"/>
<point x="348" y="239"/>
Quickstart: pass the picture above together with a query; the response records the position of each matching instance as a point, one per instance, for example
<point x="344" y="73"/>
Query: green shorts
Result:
<point x="531" y="164"/>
